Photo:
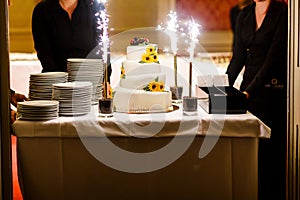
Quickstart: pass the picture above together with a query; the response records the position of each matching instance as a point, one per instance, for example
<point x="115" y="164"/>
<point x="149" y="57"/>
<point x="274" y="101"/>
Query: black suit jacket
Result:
<point x="234" y="13"/>
<point x="263" y="52"/>
<point x="57" y="38"/>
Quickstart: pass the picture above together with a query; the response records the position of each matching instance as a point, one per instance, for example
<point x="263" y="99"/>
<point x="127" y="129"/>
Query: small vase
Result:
<point x="190" y="105"/>
<point x="176" y="93"/>
<point x="106" y="107"/>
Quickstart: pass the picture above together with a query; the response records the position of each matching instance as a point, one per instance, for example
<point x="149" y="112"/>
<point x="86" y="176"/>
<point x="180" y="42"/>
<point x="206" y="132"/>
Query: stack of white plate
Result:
<point x="40" y="85"/>
<point x="74" y="97"/>
<point x="37" y="110"/>
<point x="87" y="70"/>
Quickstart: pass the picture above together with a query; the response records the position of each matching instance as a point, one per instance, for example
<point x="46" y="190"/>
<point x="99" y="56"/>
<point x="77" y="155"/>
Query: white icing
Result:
<point x="141" y="81"/>
<point x="130" y="100"/>
<point x="135" y="68"/>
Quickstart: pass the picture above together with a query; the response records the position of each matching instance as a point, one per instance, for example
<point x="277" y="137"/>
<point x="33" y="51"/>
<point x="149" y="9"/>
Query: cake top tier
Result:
<point x="142" y="54"/>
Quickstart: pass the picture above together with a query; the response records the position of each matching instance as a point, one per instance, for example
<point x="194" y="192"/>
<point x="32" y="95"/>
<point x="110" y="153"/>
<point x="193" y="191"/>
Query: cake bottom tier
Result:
<point x="140" y="101"/>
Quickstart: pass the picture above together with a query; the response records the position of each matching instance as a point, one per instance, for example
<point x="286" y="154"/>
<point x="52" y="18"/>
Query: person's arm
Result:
<point x="13" y="116"/>
<point x="16" y="97"/>
<point x="233" y="14"/>
<point x="239" y="54"/>
<point x="41" y="36"/>
<point x="275" y="58"/>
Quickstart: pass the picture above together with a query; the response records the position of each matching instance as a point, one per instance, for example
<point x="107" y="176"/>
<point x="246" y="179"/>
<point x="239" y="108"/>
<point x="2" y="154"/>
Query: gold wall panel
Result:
<point x="20" y="25"/>
<point x="124" y="15"/>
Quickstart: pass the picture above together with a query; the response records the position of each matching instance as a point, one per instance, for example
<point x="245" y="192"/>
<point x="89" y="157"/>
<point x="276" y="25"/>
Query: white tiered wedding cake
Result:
<point x="142" y="83"/>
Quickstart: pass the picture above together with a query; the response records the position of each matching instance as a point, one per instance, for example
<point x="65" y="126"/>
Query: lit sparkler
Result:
<point x="171" y="31"/>
<point x="103" y="41"/>
<point x="194" y="32"/>
<point x="172" y="27"/>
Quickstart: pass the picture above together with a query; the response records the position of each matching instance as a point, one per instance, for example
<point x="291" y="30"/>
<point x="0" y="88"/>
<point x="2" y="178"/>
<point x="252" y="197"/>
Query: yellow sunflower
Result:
<point x="161" y="86"/>
<point x="122" y="72"/>
<point x="150" y="50"/>
<point x="152" y="86"/>
<point x="154" y="57"/>
<point x="146" y="58"/>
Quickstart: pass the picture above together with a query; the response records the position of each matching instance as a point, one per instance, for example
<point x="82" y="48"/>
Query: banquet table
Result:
<point x="140" y="156"/>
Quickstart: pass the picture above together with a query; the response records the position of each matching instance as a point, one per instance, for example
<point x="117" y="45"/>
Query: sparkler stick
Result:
<point x="105" y="81"/>
<point x="175" y="69"/>
<point x="190" y="79"/>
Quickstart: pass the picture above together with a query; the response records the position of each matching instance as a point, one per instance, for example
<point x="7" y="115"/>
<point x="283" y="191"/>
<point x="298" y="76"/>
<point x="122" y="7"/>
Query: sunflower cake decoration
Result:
<point x="155" y="86"/>
<point x="123" y="75"/>
<point x="150" y="56"/>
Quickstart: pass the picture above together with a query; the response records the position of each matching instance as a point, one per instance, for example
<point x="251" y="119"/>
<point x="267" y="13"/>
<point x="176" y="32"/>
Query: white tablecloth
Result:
<point x="56" y="163"/>
<point x="122" y="124"/>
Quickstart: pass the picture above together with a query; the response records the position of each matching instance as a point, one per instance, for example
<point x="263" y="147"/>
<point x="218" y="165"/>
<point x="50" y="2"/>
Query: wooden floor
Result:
<point x="16" y="189"/>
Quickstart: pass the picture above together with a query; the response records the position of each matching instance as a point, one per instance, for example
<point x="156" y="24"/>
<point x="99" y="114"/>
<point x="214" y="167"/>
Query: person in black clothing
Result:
<point x="14" y="99"/>
<point x="64" y="29"/>
<point x="261" y="47"/>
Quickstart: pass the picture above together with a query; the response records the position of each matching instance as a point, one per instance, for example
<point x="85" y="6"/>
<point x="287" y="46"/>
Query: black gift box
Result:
<point x="223" y="100"/>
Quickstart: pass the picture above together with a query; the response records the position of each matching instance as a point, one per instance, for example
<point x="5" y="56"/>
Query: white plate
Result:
<point x="39" y="103"/>
<point x="83" y="60"/>
<point x="75" y="84"/>
<point x="50" y="74"/>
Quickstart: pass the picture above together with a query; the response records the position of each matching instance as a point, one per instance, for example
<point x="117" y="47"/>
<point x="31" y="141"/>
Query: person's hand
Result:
<point x="13" y="116"/>
<point x="247" y="94"/>
<point x="16" y="97"/>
